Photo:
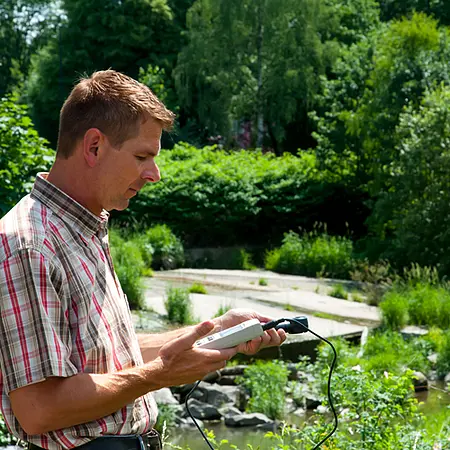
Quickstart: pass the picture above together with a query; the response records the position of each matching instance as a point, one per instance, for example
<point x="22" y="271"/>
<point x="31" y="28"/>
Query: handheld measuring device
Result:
<point x="245" y="331"/>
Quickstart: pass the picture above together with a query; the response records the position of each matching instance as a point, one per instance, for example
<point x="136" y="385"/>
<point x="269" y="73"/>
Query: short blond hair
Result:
<point x="112" y="102"/>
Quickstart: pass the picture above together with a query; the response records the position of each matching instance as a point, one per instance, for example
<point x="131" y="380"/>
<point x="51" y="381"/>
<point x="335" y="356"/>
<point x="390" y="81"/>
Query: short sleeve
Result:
<point x="34" y="321"/>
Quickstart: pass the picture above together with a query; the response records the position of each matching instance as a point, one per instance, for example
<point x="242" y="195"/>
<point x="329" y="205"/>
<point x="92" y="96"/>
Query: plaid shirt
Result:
<point x="62" y="310"/>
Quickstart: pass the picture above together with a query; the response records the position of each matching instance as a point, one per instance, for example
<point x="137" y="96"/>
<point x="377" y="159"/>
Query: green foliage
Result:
<point x="339" y="291"/>
<point x="390" y="352"/>
<point x="394" y="310"/>
<point x="94" y="35"/>
<point x="412" y="212"/>
<point x="161" y="248"/>
<point x="312" y="254"/>
<point x="223" y="309"/>
<point x="6" y="438"/>
<point x="129" y="267"/>
<point x="178" y="306"/>
<point x="22" y="153"/>
<point x="263" y="282"/>
<point x="198" y="288"/>
<point x="443" y="361"/>
<point x="167" y="415"/>
<point x="212" y="198"/>
<point x="266" y="382"/>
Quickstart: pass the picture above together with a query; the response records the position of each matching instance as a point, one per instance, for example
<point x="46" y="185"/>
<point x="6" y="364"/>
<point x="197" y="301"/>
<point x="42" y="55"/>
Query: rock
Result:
<point x="229" y="380"/>
<point x="267" y="426"/>
<point x="433" y="359"/>
<point x="299" y="412"/>
<point x="233" y="370"/>
<point x="411" y="332"/>
<point x="212" y="377"/>
<point x="311" y="401"/>
<point x="293" y="371"/>
<point x="203" y="411"/>
<point x="322" y="409"/>
<point x="188" y="423"/>
<point x="218" y="395"/>
<point x="164" y="396"/>
<point x="447" y="379"/>
<point x="290" y="405"/>
<point x="229" y="411"/>
<point x="247" y="420"/>
<point x="420" y="382"/>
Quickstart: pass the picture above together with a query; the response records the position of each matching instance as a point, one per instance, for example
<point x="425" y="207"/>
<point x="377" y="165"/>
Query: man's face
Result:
<point x="126" y="170"/>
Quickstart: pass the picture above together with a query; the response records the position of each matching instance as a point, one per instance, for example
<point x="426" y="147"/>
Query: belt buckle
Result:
<point x="153" y="440"/>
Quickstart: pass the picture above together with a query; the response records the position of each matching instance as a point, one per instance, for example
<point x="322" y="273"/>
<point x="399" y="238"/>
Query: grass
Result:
<point x="223" y="309"/>
<point x="339" y="291"/>
<point x="263" y="282"/>
<point x="178" y="306"/>
<point x="288" y="307"/>
<point x="198" y="288"/>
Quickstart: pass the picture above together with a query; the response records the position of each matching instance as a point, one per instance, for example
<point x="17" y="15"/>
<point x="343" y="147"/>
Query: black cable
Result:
<point x="333" y="363"/>
<point x="193" y="418"/>
<point x="304" y="328"/>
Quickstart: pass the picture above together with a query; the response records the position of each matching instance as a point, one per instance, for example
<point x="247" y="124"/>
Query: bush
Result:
<point x="312" y="254"/>
<point x="161" y="248"/>
<point x="263" y="282"/>
<point x="129" y="267"/>
<point x="443" y="361"/>
<point x="222" y="258"/>
<point x="394" y="310"/>
<point x="267" y="382"/>
<point x="339" y="292"/>
<point x="198" y="288"/>
<point x="210" y="197"/>
<point x="22" y="153"/>
<point x="223" y="309"/>
<point x="428" y="305"/>
<point x="167" y="417"/>
<point x="390" y="352"/>
<point x="178" y="306"/>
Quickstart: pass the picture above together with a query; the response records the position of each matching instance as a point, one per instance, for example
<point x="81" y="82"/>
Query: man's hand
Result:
<point x="180" y="362"/>
<point x="270" y="338"/>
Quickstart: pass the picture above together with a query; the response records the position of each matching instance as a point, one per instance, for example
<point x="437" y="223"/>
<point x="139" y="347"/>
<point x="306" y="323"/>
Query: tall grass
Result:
<point x="312" y="254"/>
<point x="178" y="306"/>
<point x="129" y="267"/>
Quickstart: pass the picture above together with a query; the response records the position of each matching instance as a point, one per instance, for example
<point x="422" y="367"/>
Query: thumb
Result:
<point x="195" y="333"/>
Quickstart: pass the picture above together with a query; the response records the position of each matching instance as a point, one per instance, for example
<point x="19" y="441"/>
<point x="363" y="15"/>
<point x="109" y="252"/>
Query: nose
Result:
<point x="151" y="172"/>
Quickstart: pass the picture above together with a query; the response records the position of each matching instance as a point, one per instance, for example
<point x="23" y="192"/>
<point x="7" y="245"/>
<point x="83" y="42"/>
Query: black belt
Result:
<point x="149" y="441"/>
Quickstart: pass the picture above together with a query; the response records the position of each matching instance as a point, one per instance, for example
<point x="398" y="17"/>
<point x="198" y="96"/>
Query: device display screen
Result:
<point x="231" y="330"/>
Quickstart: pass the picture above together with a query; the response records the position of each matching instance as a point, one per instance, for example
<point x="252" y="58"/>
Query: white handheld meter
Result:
<point x="245" y="331"/>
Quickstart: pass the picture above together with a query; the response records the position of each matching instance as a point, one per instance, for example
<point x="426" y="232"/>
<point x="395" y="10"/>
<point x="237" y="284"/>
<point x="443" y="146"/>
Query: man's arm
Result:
<point x="64" y="402"/>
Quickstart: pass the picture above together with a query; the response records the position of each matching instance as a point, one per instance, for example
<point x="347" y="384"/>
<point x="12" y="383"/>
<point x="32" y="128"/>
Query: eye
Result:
<point x="141" y="158"/>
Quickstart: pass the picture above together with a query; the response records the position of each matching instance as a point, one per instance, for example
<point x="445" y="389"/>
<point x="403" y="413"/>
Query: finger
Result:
<point x="194" y="334"/>
<point x="282" y="335"/>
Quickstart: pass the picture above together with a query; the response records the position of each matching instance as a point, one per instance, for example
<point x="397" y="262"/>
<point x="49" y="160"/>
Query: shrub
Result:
<point x="222" y="258"/>
<point x="267" y="382"/>
<point x="339" y="292"/>
<point x="312" y="254"/>
<point x="178" y="306"/>
<point x="388" y="351"/>
<point x="443" y="361"/>
<point x="223" y="309"/>
<point x="129" y="267"/>
<point x="394" y="310"/>
<point x="210" y="197"/>
<point x="263" y="282"/>
<point x="167" y="415"/>
<point x="198" y="288"/>
<point x="428" y="305"/>
<point x="22" y="153"/>
<point x="165" y="249"/>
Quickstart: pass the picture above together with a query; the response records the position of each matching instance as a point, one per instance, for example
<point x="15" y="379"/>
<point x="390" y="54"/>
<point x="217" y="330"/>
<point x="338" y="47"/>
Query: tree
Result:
<point x="397" y="9"/>
<point x="22" y="153"/>
<point x="123" y="35"/>
<point x="413" y="212"/>
<point x="25" y="25"/>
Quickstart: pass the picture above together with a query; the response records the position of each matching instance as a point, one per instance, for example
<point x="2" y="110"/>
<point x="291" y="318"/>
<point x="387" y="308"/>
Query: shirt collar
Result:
<point x="67" y="208"/>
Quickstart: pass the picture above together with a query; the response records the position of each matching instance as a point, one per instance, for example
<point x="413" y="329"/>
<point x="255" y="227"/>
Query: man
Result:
<point x="73" y="373"/>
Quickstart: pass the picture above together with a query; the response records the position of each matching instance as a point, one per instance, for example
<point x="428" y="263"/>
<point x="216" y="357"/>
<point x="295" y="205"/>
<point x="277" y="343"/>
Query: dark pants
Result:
<point x="149" y="441"/>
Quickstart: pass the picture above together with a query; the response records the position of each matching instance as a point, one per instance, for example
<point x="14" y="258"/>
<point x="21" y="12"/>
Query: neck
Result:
<point x="69" y="178"/>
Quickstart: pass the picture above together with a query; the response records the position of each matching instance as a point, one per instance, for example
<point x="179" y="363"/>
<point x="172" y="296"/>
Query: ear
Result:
<point x="92" y="140"/>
